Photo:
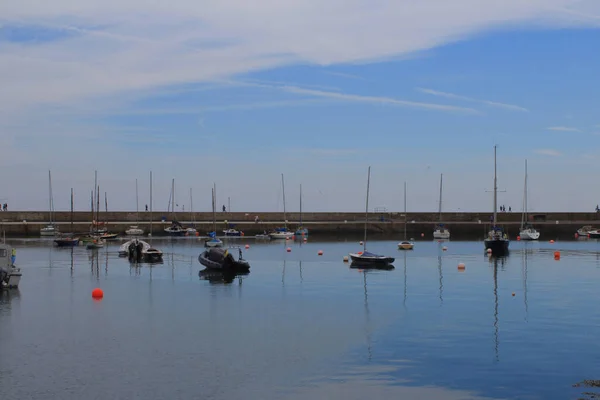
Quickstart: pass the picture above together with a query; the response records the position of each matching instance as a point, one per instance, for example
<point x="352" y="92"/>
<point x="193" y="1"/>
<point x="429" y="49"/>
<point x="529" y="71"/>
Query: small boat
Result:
<point x="232" y="232"/>
<point x="496" y="241"/>
<point x="281" y="233"/>
<point x="213" y="242"/>
<point x="134" y="231"/>
<point x="67" y="241"/>
<point x="262" y="236"/>
<point x="109" y="236"/>
<point x="301" y="231"/>
<point x="585" y="230"/>
<point x="221" y="259"/>
<point x="48" y="230"/>
<point x="527" y="232"/>
<point x="191" y="231"/>
<point x="176" y="229"/>
<point x="364" y="258"/>
<point x="594" y="234"/>
<point x="405" y="244"/>
<point x="10" y="275"/>
<point x="140" y="251"/>
<point x="95" y="244"/>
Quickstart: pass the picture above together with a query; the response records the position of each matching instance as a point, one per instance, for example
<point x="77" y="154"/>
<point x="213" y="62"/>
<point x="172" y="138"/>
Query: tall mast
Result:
<point x="192" y="207"/>
<point x="95" y="216"/>
<point x="405" y="216"/>
<point x="173" y="197"/>
<point x="367" y="209"/>
<point x="214" y="207"/>
<point x="300" y="204"/>
<point x="137" y="206"/>
<point x="440" y="206"/>
<point x="106" y="208"/>
<point x="524" y="215"/>
<point x="495" y="191"/>
<point x="72" y="210"/>
<point x="284" y="213"/>
<point x="97" y="208"/>
<point x="50" y="205"/>
<point x="150" y="203"/>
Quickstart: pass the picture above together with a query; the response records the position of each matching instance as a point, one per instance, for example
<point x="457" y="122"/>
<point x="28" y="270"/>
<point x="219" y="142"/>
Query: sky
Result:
<point x="237" y="93"/>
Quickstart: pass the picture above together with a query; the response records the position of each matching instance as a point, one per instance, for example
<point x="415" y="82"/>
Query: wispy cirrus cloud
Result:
<point x="490" y="103"/>
<point x="548" y="152"/>
<point x="563" y="129"/>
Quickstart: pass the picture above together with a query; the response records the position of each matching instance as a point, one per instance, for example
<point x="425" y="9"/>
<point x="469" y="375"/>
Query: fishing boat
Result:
<point x="405" y="244"/>
<point x="10" y="275"/>
<point x="282" y="233"/>
<point x="232" y="231"/>
<point x="50" y="229"/>
<point x="220" y="259"/>
<point x="441" y="232"/>
<point x="135" y="230"/>
<point x="140" y="251"/>
<point x="585" y="230"/>
<point x="95" y="241"/>
<point x="68" y="240"/>
<point x="527" y="232"/>
<point x="213" y="240"/>
<point x="262" y="236"/>
<point x="496" y="241"/>
<point x="301" y="231"/>
<point x="365" y="258"/>
<point x="95" y="244"/>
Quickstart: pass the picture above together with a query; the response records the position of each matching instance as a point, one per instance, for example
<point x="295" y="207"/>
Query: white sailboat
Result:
<point x="176" y="229"/>
<point x="441" y="232"/>
<point x="214" y="241"/>
<point x="134" y="230"/>
<point x="282" y="233"/>
<point x="192" y="229"/>
<point x="527" y="232"/>
<point x="301" y="231"/>
<point x="50" y="229"/>
<point x="405" y="244"/>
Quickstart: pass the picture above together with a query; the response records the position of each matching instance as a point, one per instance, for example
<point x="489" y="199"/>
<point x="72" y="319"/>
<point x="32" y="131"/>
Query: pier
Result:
<point x="463" y="224"/>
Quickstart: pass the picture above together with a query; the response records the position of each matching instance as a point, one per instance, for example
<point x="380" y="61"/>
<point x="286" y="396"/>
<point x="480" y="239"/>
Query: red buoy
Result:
<point x="97" y="293"/>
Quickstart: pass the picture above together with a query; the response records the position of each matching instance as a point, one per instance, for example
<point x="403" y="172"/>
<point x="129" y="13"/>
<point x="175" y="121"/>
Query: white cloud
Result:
<point x="465" y="98"/>
<point x="548" y="152"/>
<point x="563" y="129"/>
<point x="113" y="46"/>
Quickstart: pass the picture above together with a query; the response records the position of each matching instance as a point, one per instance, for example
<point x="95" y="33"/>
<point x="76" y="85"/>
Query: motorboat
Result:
<point x="262" y="236"/>
<point x="10" y="275"/>
<point x="140" y="251"/>
<point x="134" y="230"/>
<point x="529" y="233"/>
<point x="191" y="231"/>
<point x="594" y="234"/>
<point x="367" y="259"/>
<point x="67" y="241"/>
<point x="302" y="231"/>
<point x="176" y="229"/>
<point x="48" y="230"/>
<point x="109" y="236"/>
<point x="406" y="245"/>
<point x="222" y="259"/>
<point x="441" y="232"/>
<point x="585" y="230"/>
<point x="213" y="240"/>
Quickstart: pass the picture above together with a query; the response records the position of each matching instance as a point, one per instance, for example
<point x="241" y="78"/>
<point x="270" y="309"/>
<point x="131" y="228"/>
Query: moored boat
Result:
<point x="10" y="275"/>
<point x="134" y="230"/>
<point x="527" y="232"/>
<point x="140" y="251"/>
<point x="220" y="259"/>
<point x="496" y="241"/>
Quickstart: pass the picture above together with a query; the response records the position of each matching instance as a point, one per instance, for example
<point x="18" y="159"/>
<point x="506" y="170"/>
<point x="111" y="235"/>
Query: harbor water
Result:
<point x="303" y="326"/>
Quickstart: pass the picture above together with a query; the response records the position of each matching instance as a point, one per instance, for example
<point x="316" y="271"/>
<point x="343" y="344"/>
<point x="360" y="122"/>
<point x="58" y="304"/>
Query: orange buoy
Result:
<point x="197" y="233"/>
<point x="242" y="233"/>
<point x="247" y="246"/>
<point x="346" y="258"/>
<point x="461" y="266"/>
<point x="513" y="293"/>
<point x="518" y="238"/>
<point x="305" y="239"/>
<point x="444" y="248"/>
<point x="551" y="241"/>
<point x="557" y="255"/>
<point x="489" y="251"/>
<point x="576" y="235"/>
<point x="97" y="293"/>
<point x="289" y="249"/>
<point x="589" y="236"/>
<point x="422" y="235"/>
<point x="320" y="252"/>
<point x="359" y="253"/>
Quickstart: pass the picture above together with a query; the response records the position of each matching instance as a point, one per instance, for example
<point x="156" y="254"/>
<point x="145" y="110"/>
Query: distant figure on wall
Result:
<point x="146" y="207"/>
<point x="224" y="208"/>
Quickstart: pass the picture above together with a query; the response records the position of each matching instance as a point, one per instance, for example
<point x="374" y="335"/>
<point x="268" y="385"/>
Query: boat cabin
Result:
<point x="10" y="276"/>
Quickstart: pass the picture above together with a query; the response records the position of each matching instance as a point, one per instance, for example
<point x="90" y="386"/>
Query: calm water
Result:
<point x="303" y="326"/>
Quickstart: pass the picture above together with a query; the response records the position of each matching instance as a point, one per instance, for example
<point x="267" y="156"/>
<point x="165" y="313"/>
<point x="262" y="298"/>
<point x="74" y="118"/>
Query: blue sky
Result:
<point x="223" y="92"/>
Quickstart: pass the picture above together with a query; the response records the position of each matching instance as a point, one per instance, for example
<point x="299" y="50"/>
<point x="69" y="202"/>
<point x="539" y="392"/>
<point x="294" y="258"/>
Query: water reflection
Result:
<point x="440" y="250"/>
<point x="494" y="261"/>
<point x="222" y="276"/>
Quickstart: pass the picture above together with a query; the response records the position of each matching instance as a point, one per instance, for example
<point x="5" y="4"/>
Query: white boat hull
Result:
<point x="445" y="234"/>
<point x="134" y="231"/>
<point x="406" y="245"/>
<point x="281" y="235"/>
<point x="48" y="231"/>
<point x="529" y="234"/>
<point x="213" y="243"/>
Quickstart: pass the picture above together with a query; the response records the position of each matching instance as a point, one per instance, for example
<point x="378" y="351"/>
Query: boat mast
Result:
<point x="50" y="198"/>
<point x="95" y="217"/>
<point x="137" y="206"/>
<point x="173" y="199"/>
<point x="284" y="213"/>
<point x="300" y="205"/>
<point x="192" y="208"/>
<point x="214" y="207"/>
<point x="367" y="209"/>
<point x="72" y="211"/>
<point x="524" y="217"/>
<point x="97" y="209"/>
<point x="106" y="209"/>
<point x="495" y="191"/>
<point x="405" y="216"/>
<point x="150" y="203"/>
<point x="440" y="206"/>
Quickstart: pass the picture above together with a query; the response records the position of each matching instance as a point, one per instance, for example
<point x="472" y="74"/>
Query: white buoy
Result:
<point x="346" y="259"/>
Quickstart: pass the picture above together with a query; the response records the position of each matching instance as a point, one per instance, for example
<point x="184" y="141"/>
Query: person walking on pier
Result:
<point x="146" y="207"/>
<point x="224" y="208"/>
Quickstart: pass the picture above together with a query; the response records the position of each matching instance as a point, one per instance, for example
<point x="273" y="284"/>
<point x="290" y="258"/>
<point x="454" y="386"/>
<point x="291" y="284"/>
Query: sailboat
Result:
<point x="441" y="232"/>
<point x="527" y="232"/>
<point x="496" y="240"/>
<point x="301" y="231"/>
<point x="107" y="235"/>
<point x="50" y="229"/>
<point x="97" y="241"/>
<point x="192" y="229"/>
<point x="214" y="241"/>
<point x="365" y="258"/>
<point x="134" y="230"/>
<point x="405" y="244"/>
<point x="176" y="229"/>
<point x="282" y="233"/>
<point x="69" y="240"/>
